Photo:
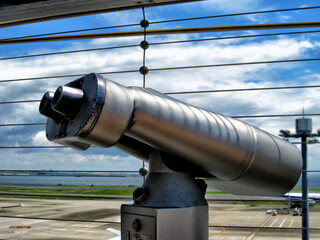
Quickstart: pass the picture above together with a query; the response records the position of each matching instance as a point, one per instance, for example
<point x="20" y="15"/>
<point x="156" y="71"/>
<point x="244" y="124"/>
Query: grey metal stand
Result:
<point x="170" y="205"/>
<point x="305" y="203"/>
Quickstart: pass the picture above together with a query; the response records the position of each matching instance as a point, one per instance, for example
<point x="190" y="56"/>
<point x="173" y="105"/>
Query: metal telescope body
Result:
<point x="173" y="136"/>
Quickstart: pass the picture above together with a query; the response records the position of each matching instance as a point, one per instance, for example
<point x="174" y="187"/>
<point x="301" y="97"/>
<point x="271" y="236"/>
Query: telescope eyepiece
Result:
<point x="68" y="101"/>
<point x="46" y="109"/>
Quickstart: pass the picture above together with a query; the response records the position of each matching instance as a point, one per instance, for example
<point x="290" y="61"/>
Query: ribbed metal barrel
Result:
<point x="238" y="157"/>
<point x="244" y="159"/>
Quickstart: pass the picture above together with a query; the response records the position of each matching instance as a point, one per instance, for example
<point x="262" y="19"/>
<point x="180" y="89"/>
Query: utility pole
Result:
<point x="303" y="131"/>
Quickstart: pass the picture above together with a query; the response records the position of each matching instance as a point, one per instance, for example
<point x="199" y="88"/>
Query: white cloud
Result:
<point x="232" y="5"/>
<point x="241" y="103"/>
<point x="121" y="17"/>
<point x="157" y="57"/>
<point x="39" y="139"/>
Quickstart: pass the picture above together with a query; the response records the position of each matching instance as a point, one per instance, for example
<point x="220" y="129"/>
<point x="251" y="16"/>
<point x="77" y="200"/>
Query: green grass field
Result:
<point x="83" y="190"/>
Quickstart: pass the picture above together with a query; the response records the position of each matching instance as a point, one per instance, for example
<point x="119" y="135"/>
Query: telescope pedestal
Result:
<point x="169" y="206"/>
<point x="143" y="223"/>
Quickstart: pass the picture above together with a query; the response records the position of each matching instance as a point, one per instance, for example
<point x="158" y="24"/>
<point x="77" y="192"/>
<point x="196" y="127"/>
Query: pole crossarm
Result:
<point x="300" y="135"/>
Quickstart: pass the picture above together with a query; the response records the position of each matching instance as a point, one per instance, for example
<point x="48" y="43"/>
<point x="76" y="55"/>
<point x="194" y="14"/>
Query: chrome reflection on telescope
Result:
<point x="229" y="154"/>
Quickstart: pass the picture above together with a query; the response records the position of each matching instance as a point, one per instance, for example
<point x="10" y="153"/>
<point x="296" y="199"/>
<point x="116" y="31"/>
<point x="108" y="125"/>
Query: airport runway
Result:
<point x="88" y="219"/>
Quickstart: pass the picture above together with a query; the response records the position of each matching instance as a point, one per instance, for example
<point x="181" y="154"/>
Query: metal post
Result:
<point x="288" y="203"/>
<point x="305" y="204"/>
<point x="170" y="205"/>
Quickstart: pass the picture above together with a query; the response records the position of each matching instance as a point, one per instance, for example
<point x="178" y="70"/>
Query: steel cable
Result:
<point x="168" y="68"/>
<point x="199" y="92"/>
<point x="158" y="43"/>
<point x="165" y="32"/>
<point x="167" y="21"/>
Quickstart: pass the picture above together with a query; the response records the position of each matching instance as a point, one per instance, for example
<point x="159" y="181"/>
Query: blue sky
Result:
<point x="200" y="53"/>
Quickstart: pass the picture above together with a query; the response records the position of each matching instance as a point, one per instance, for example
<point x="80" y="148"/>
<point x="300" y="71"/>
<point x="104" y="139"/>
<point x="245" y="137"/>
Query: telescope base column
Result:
<point x="170" y="205"/>
<point x="144" y="223"/>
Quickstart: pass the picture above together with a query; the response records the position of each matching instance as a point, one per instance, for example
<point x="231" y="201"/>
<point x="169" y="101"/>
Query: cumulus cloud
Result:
<point x="233" y="5"/>
<point x="164" y="81"/>
<point x="187" y="54"/>
<point x="39" y="139"/>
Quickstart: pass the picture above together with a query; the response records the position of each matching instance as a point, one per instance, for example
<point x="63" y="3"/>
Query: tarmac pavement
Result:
<point x="22" y="218"/>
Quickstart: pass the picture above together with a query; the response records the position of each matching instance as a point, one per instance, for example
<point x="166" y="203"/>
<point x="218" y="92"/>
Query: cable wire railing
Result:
<point x="198" y="92"/>
<point x="159" y="43"/>
<point x="169" y="68"/>
<point x="68" y="171"/>
<point x="115" y="222"/>
<point x="237" y="14"/>
<point x="158" y="32"/>
<point x="235" y="116"/>
<point x="167" y="21"/>
<point x="140" y="33"/>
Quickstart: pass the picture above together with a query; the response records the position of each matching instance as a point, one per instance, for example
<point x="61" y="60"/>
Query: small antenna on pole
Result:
<point x="302" y="112"/>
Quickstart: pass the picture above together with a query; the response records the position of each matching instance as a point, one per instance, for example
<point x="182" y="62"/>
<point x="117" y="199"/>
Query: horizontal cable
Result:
<point x="201" y="91"/>
<point x="234" y="64"/>
<point x="93" y="171"/>
<point x="68" y="171"/>
<point x="158" y="43"/>
<point x="112" y="222"/>
<point x="21" y="124"/>
<point x="72" y="31"/>
<point x="67" y="195"/>
<point x="22" y="101"/>
<point x="68" y="52"/>
<point x="123" y="197"/>
<point x="236" y="14"/>
<point x="169" y="68"/>
<point x="32" y="147"/>
<point x="234" y="37"/>
<point x="260" y="227"/>
<point x="237" y="116"/>
<point x="168" y="21"/>
<point x="242" y="89"/>
<point x="53" y="147"/>
<point x="165" y="32"/>
<point x="64" y="76"/>
<point x="276" y="115"/>
<point x="59" y="219"/>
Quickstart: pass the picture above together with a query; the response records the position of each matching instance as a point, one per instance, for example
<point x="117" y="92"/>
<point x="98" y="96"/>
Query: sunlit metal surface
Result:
<point x="228" y="153"/>
<point x="22" y="12"/>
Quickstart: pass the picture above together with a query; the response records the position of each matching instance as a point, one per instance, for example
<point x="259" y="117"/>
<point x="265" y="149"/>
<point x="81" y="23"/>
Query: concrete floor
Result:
<point x="220" y="214"/>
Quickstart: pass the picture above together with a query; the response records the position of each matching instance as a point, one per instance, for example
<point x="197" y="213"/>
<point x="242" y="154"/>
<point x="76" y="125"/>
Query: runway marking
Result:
<point x="255" y="232"/>
<point x="225" y="211"/>
<point x="291" y="222"/>
<point x="215" y="234"/>
<point x="20" y="227"/>
<point x="273" y="222"/>
<point x="283" y="221"/>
